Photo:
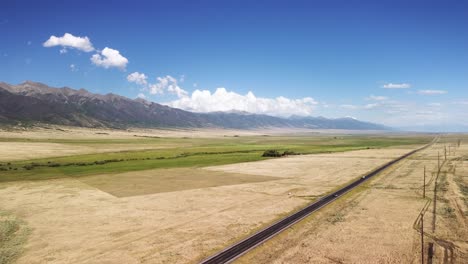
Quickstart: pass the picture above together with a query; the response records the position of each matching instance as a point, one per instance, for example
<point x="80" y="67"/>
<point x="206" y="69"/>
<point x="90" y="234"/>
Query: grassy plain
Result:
<point x="157" y="199"/>
<point x="133" y="154"/>
<point x="376" y="222"/>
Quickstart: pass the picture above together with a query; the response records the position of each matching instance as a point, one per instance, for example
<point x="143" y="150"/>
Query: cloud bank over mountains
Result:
<point x="222" y="99"/>
<point x="199" y="100"/>
<point x="204" y="101"/>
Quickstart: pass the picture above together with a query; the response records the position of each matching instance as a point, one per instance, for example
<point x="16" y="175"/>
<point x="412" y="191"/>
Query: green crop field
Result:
<point x="181" y="152"/>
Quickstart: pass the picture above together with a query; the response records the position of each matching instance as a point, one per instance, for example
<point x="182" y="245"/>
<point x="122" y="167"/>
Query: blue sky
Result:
<point x="329" y="58"/>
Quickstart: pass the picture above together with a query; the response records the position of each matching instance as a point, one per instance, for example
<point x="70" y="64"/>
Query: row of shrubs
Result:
<point x="99" y="162"/>
<point x="32" y="165"/>
<point x="102" y="162"/>
<point x="53" y="164"/>
<point x="276" y="153"/>
<point x="7" y="167"/>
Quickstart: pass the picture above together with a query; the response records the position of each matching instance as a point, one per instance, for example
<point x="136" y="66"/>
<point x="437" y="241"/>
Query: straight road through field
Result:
<point x="233" y="252"/>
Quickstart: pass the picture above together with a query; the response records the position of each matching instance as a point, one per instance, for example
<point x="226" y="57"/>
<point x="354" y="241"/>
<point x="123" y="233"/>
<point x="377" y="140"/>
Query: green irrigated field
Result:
<point x="179" y="153"/>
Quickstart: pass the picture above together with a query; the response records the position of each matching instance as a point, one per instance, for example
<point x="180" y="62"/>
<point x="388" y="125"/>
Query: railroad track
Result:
<point x="240" y="248"/>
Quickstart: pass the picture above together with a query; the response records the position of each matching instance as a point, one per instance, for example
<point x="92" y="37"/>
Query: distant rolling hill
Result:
<point x="32" y="102"/>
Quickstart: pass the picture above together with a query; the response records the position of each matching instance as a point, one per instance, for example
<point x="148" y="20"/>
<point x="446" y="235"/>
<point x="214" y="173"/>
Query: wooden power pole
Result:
<point x="438" y="160"/>
<point x="445" y="152"/>
<point x="424" y="184"/>
<point x="422" y="238"/>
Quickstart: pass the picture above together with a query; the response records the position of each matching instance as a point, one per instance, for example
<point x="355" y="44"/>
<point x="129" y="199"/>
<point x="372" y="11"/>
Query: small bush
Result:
<point x="335" y="218"/>
<point x="289" y="152"/>
<point x="7" y="229"/>
<point x="448" y="211"/>
<point x="271" y="153"/>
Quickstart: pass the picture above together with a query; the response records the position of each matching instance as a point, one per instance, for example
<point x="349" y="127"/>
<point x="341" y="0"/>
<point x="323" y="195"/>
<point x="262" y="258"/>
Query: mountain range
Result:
<point x="33" y="102"/>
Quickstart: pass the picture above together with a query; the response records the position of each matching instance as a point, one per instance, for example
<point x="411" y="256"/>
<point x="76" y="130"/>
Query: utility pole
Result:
<point x="424" y="184"/>
<point x="438" y="160"/>
<point x="445" y="152"/>
<point x="422" y="238"/>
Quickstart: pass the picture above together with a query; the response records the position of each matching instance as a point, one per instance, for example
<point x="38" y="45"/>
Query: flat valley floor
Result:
<point x="182" y="215"/>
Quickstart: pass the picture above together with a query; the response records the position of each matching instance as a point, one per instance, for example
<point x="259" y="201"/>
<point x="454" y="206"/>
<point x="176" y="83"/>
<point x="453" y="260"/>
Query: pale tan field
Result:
<point x="13" y="151"/>
<point x="75" y="222"/>
<point x="314" y="175"/>
<point x="10" y="151"/>
<point x="375" y="223"/>
<point x="451" y="228"/>
<point x="65" y="132"/>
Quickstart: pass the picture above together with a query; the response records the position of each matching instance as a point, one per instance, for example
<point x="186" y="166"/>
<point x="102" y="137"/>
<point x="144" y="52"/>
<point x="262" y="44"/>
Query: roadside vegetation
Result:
<point x="463" y="188"/>
<point x="183" y="152"/>
<point x="13" y="235"/>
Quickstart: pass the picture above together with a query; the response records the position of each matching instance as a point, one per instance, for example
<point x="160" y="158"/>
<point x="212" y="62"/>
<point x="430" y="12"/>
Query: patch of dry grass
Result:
<point x="167" y="180"/>
<point x="13" y="235"/>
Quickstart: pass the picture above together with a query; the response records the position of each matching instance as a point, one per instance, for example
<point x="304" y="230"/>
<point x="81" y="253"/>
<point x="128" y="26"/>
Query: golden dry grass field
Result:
<point x="186" y="198"/>
<point x="376" y="223"/>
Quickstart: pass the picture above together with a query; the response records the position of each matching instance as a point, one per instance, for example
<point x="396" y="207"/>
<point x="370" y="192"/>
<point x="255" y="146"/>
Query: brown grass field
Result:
<point x="375" y="223"/>
<point x="182" y="215"/>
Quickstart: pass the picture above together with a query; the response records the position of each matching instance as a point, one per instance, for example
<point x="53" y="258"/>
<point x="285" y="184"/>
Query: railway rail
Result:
<point x="240" y="248"/>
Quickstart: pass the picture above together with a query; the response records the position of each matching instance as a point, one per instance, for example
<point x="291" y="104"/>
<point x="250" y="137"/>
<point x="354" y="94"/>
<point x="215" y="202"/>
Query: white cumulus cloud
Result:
<point x="169" y="84"/>
<point x="109" y="58"/>
<point x="431" y="92"/>
<point x="377" y="98"/>
<point x="138" y="78"/>
<point x="73" y="68"/>
<point x="69" y="41"/>
<point x="223" y="100"/>
<point x="349" y="106"/>
<point x="396" y="86"/>
<point x="166" y="84"/>
<point x="371" y="106"/>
